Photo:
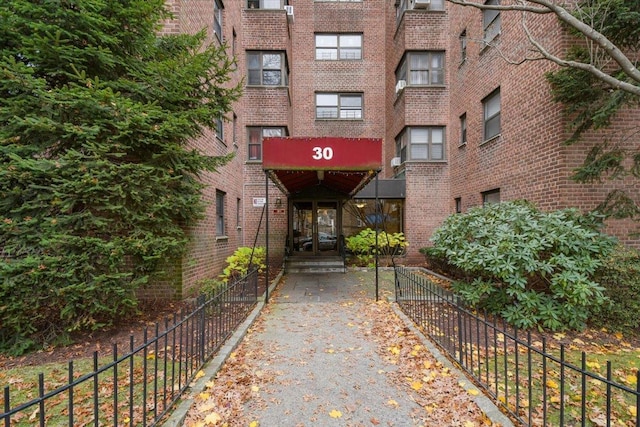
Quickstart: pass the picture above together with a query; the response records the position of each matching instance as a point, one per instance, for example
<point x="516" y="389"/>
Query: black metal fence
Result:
<point x="141" y="385"/>
<point x="538" y="384"/>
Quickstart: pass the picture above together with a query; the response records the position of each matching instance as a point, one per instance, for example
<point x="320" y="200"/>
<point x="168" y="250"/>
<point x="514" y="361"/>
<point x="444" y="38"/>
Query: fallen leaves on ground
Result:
<point x="429" y="382"/>
<point x="412" y="369"/>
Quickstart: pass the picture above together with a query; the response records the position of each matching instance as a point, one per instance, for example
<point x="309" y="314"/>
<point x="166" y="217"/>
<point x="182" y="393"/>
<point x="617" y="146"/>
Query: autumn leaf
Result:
<point x="199" y="375"/>
<point x="473" y="391"/>
<point x="335" y="414"/>
<point x="593" y="365"/>
<point x="392" y="402"/>
<point x="254" y="424"/>
<point x="416" y="385"/>
<point x="394" y="350"/>
<point x="212" y="419"/>
<point x="469" y="424"/>
<point x="552" y="384"/>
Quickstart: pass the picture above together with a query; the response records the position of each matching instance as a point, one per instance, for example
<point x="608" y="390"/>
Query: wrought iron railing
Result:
<point x="141" y="385"/>
<point x="535" y="383"/>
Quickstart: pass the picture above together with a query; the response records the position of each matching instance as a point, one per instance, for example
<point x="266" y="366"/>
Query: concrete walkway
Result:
<point x="323" y="353"/>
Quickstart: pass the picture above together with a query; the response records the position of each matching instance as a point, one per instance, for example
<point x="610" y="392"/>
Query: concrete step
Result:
<point x="319" y="264"/>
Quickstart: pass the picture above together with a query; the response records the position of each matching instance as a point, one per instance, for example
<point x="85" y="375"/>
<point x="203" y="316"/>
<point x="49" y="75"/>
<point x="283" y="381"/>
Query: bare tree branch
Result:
<point x="590" y="33"/>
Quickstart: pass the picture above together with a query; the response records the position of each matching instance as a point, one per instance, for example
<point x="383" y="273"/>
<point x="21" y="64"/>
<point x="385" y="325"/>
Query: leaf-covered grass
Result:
<point x="24" y="385"/>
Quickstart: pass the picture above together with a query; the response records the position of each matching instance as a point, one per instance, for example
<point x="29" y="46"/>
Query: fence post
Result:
<point x="457" y="300"/>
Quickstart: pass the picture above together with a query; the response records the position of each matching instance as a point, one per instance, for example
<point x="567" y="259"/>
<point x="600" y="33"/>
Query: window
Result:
<point x="422" y="68"/>
<point x="338" y="46"/>
<point x="463" y="46"/>
<point x="491" y="21"/>
<point x="421" y="143"/>
<point x="264" y="4"/>
<point x="338" y="106"/>
<point x="256" y="134"/>
<point x="220" y="128"/>
<point x="458" y="201"/>
<point x="235" y="129"/>
<point x="463" y="129"/>
<point x="217" y="19"/>
<point x="266" y="68"/>
<point x="238" y="211"/>
<point x="403" y="5"/>
<point x="491" y="197"/>
<point x="491" y="107"/>
<point x="220" y="196"/>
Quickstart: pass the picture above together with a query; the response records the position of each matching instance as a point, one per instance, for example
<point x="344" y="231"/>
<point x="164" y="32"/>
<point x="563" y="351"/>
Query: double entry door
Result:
<point x="316" y="226"/>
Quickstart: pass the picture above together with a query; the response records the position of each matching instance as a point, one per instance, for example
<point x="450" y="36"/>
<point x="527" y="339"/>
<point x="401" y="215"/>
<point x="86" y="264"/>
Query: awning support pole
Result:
<point x="266" y="227"/>
<point x="378" y="217"/>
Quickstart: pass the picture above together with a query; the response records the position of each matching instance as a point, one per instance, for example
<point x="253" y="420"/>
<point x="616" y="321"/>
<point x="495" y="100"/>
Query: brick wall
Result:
<point x="528" y="160"/>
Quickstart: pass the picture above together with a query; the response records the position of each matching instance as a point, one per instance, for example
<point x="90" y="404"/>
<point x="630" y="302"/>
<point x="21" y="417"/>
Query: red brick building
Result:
<point x="460" y="125"/>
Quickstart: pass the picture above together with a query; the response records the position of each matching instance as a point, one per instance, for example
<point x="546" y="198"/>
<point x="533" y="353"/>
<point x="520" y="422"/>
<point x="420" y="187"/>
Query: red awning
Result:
<point x="344" y="165"/>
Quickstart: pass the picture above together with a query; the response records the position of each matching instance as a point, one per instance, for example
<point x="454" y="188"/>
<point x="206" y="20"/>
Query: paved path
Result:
<point x="324" y="353"/>
<point x="316" y="335"/>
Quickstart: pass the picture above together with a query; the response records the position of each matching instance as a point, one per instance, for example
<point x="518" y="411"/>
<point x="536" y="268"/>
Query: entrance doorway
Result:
<point x="316" y="226"/>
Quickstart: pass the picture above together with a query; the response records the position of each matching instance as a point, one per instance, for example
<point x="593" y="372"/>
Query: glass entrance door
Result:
<point x="315" y="227"/>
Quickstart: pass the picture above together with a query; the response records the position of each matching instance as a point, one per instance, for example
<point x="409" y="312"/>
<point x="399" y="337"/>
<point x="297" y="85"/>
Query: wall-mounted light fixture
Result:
<point x="278" y="202"/>
<point x="360" y="204"/>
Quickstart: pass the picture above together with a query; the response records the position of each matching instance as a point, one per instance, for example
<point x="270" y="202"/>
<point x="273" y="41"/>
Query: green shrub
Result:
<point x="238" y="263"/>
<point x="620" y="276"/>
<point x="210" y="287"/>
<point x="530" y="267"/>
<point x="363" y="245"/>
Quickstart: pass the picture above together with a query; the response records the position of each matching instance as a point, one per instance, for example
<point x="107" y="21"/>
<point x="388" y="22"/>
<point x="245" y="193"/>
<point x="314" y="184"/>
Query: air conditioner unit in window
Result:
<point x="395" y="161"/>
<point x="421" y="4"/>
<point x="400" y="85"/>
<point x="289" y="10"/>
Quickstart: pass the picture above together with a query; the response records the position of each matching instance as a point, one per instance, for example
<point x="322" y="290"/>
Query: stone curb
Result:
<point x="211" y="368"/>
<point x="485" y="404"/>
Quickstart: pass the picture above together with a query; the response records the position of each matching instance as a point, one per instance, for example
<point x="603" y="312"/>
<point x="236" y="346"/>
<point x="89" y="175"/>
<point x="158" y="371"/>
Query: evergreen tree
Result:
<point x="97" y="178"/>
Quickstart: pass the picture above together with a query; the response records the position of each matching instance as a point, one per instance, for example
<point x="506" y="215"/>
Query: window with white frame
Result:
<point x="217" y="19"/>
<point x="266" y="68"/>
<point x="338" y="46"/>
<point x="421" y="143"/>
<point x="463" y="129"/>
<point x="264" y="4"/>
<point x="255" y="136"/>
<point x="491" y="108"/>
<point x="491" y="21"/>
<point x="338" y="106"/>
<point x="220" y="197"/>
<point x="422" y="68"/>
<point x="220" y="128"/>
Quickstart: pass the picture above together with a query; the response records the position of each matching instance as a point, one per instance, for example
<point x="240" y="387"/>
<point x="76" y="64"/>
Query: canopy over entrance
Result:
<point x="344" y="165"/>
